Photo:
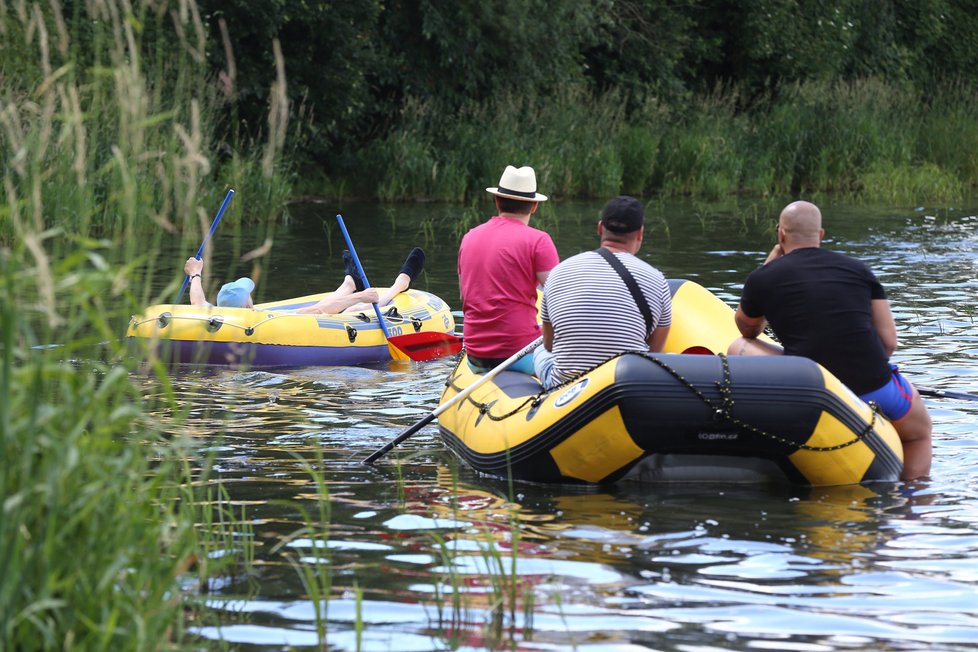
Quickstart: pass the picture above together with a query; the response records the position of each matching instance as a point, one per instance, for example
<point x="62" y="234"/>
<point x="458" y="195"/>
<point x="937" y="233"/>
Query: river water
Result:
<point x="418" y="553"/>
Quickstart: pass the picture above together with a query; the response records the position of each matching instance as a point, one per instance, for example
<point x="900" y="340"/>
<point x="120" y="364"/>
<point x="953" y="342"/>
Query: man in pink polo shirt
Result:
<point x="500" y="265"/>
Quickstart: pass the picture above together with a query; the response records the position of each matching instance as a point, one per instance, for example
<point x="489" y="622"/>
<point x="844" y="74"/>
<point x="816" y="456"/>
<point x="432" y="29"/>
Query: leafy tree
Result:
<point x="329" y="50"/>
<point x="951" y="52"/>
<point x="764" y="43"/>
<point x="465" y="50"/>
<point x="646" y="48"/>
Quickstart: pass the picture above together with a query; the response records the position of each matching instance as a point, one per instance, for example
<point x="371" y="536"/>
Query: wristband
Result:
<point x="193" y="276"/>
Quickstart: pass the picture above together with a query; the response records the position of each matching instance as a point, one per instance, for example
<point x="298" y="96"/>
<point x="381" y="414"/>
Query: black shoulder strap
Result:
<point x="632" y="286"/>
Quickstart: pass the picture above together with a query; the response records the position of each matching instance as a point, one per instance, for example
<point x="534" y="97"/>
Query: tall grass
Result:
<point x="109" y="120"/>
<point x="99" y="547"/>
<point x="108" y="136"/>
<point x="865" y="138"/>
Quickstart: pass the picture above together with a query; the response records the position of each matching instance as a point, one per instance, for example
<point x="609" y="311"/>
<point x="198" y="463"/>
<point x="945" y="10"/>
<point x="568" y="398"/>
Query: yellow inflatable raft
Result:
<point x="272" y="334"/>
<point x="675" y="416"/>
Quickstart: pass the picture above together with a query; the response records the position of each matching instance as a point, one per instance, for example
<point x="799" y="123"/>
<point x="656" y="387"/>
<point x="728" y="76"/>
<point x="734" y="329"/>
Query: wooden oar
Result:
<point x="200" y="252"/>
<point x="426" y="345"/>
<point x="943" y="393"/>
<point x="505" y="364"/>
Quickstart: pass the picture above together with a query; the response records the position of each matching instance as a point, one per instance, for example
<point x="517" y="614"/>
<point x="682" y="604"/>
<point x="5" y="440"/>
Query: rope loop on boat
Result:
<point x="484" y="408"/>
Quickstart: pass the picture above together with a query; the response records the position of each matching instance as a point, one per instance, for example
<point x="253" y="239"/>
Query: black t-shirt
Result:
<point x="819" y="304"/>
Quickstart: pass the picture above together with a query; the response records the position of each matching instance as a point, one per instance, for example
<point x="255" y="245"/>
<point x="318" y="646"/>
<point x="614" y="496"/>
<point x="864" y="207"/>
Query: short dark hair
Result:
<point x="623" y="214"/>
<point x="507" y="205"/>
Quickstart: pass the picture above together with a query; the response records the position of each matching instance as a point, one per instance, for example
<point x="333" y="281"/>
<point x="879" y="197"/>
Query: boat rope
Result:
<point x="217" y="321"/>
<point x="722" y="409"/>
<point x="484" y="408"/>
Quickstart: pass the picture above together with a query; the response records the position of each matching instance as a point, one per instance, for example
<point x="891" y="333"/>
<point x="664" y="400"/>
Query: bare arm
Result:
<point x="884" y="325"/>
<point x="548" y="335"/>
<point x="542" y="278"/>
<point x="193" y="268"/>
<point x="749" y="326"/>
<point x="657" y="339"/>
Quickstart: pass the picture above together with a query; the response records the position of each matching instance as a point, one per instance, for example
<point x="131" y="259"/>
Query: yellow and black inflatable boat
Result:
<point x="272" y="334"/>
<point x="677" y="416"/>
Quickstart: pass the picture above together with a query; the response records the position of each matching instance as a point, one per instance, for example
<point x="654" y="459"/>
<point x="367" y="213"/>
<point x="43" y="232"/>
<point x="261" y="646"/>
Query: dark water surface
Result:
<point x="419" y="554"/>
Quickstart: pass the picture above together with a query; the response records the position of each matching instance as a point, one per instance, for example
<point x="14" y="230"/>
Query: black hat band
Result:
<point x="528" y="195"/>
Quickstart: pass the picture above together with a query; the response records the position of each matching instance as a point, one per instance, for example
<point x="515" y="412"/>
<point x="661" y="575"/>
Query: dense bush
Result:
<point x="358" y="63"/>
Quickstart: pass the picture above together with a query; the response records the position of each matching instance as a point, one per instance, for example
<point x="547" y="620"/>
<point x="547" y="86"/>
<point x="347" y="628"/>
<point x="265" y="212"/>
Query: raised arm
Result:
<point x="193" y="268"/>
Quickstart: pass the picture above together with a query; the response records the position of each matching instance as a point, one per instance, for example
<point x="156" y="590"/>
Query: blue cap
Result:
<point x="236" y="294"/>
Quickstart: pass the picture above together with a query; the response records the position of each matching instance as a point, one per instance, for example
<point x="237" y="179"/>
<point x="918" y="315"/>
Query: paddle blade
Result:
<point x="397" y="355"/>
<point x="426" y="345"/>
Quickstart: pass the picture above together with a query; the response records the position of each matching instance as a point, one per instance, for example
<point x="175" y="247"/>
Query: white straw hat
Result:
<point x="519" y="184"/>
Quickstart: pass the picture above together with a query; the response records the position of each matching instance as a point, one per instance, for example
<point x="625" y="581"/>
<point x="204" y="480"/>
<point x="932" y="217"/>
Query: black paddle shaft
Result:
<point x="942" y="393"/>
<point x="505" y="364"/>
<point x="380" y="452"/>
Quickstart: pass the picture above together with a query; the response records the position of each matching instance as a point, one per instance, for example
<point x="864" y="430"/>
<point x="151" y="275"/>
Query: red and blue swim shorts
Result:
<point x="893" y="398"/>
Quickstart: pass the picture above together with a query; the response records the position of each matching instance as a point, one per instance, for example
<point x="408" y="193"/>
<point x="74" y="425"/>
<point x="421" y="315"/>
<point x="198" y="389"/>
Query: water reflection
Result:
<point x="419" y="554"/>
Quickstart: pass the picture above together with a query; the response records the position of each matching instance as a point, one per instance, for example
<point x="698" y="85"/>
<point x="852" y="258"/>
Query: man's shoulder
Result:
<point x="634" y="261"/>
<point x="473" y="232"/>
<point x="822" y="257"/>
<point x="582" y="259"/>
<point x="638" y="266"/>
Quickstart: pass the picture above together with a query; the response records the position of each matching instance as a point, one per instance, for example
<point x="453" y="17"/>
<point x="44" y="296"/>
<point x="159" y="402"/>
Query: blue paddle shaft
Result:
<point x="200" y="252"/>
<point x="356" y="261"/>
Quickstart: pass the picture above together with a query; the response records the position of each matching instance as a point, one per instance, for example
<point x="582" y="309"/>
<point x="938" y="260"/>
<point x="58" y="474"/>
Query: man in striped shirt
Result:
<point x="590" y="313"/>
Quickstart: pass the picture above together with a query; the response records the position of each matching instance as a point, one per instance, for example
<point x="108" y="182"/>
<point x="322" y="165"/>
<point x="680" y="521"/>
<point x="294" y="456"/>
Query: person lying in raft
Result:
<point x="350" y="296"/>
<point x="831" y="308"/>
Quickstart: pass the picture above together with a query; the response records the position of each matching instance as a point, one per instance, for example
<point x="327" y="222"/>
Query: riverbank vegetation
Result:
<point x="864" y="138"/>
<point x="421" y="101"/>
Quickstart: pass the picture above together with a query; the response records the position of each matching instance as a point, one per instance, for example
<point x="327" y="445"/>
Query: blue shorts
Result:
<point x="893" y="398"/>
<point x="523" y="365"/>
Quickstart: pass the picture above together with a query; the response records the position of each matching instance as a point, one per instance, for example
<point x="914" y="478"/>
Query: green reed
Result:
<point x="316" y="575"/>
<point x="99" y="540"/>
<point x="108" y="532"/>
<point x="110" y="121"/>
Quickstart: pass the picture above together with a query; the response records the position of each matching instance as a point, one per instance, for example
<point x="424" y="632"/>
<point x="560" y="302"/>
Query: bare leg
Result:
<point x="753" y="346"/>
<point x="401" y="283"/>
<point x="409" y="271"/>
<point x="915" y="435"/>
<point x="341" y="299"/>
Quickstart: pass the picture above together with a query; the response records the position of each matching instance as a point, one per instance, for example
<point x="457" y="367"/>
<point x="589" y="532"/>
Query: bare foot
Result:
<point x="348" y="286"/>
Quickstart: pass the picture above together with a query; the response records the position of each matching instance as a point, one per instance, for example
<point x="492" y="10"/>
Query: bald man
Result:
<point x="831" y="308"/>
